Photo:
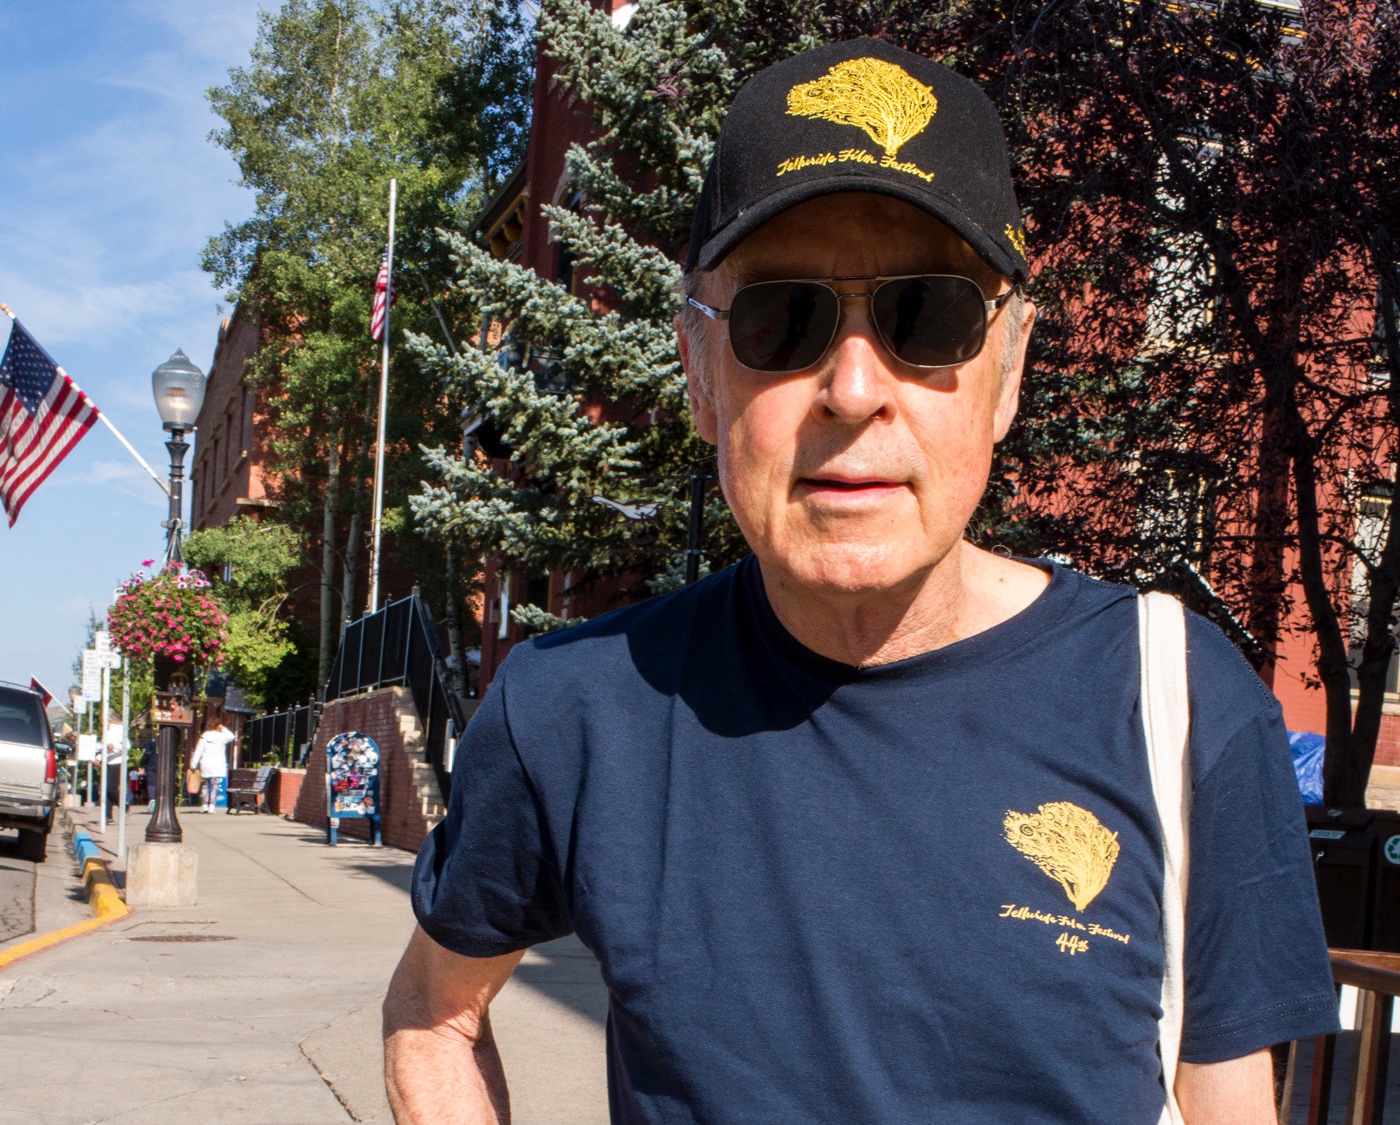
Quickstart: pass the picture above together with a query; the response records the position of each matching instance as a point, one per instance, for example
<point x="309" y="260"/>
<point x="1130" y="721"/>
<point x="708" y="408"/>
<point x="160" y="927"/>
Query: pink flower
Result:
<point x="148" y="562"/>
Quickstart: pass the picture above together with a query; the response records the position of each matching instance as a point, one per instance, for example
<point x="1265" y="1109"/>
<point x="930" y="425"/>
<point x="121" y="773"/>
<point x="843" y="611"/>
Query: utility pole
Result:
<point x="102" y="740"/>
<point x="126" y="761"/>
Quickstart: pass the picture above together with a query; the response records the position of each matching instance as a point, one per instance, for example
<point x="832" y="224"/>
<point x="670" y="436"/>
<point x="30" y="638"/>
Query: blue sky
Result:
<point x="110" y="190"/>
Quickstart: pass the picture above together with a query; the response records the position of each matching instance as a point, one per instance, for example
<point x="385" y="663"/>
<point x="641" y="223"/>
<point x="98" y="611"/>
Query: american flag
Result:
<point x="35" y="685"/>
<point x="43" y="415"/>
<point x="383" y="284"/>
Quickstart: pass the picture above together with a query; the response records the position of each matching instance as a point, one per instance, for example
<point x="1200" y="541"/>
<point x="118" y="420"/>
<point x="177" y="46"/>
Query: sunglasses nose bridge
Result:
<point x="842" y="316"/>
<point x="871" y="326"/>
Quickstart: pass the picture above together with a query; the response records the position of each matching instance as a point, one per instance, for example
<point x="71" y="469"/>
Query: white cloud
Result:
<point x="112" y="479"/>
<point x="210" y="31"/>
<point x="157" y="309"/>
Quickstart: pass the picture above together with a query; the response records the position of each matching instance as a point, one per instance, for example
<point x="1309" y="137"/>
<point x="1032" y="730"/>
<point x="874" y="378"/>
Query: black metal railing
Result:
<point x="283" y="734"/>
<point x="399" y="645"/>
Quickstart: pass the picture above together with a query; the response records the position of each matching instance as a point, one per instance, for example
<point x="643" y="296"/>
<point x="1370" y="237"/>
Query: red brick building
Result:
<point x="228" y="472"/>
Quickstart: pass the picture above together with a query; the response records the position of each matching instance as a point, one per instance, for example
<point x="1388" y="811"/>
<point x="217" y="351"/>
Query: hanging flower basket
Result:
<point x="169" y="617"/>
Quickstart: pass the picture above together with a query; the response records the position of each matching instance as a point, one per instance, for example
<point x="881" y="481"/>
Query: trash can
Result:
<point x="1343" y="843"/>
<point x="1385" y="884"/>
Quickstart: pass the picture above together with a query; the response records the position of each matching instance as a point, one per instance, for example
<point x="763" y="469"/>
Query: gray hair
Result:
<point x="696" y="326"/>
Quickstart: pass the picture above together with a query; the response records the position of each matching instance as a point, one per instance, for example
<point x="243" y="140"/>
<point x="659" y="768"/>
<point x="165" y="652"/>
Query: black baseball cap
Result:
<point x="861" y="115"/>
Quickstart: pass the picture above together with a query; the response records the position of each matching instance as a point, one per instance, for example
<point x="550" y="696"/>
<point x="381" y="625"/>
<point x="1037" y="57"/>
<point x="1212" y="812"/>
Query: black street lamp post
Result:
<point x="695" y="522"/>
<point x="177" y="446"/>
<point x="694" y="528"/>
<point x="178" y="386"/>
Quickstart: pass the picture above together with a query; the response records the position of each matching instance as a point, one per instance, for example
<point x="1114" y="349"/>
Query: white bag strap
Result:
<point x="1166" y="721"/>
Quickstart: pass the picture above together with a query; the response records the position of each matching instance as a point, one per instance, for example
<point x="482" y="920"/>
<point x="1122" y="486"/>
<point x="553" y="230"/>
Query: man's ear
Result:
<point x="1009" y="394"/>
<point x="702" y="405"/>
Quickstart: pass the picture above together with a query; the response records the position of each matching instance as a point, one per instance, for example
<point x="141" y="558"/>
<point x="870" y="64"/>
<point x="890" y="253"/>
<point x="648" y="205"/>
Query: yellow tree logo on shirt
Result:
<point x="1069" y="844"/>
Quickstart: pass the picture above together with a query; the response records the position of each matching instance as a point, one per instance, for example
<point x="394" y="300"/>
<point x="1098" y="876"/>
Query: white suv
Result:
<point x="28" y="769"/>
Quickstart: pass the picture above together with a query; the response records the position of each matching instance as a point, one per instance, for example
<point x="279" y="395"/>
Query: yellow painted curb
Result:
<point x="104" y="900"/>
<point x="103" y="897"/>
<point x="55" y="937"/>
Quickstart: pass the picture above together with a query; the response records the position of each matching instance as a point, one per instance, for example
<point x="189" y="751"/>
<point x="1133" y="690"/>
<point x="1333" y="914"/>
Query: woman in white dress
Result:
<point x="210" y="758"/>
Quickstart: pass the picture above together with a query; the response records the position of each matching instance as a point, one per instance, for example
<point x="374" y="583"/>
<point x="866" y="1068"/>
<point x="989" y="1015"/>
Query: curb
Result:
<point x="103" y="898"/>
<point x="106" y="902"/>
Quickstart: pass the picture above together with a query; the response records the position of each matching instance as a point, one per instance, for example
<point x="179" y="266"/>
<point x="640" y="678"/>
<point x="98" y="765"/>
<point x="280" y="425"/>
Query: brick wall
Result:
<point x="283" y="789"/>
<point x="1305" y="705"/>
<point x="409" y="797"/>
<point x="1388" y="743"/>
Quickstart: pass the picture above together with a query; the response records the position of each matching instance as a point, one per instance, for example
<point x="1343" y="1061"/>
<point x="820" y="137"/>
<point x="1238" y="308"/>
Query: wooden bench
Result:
<point x="245" y="788"/>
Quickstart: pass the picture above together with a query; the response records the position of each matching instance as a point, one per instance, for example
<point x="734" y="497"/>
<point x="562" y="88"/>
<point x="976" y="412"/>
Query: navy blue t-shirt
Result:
<point x="922" y="892"/>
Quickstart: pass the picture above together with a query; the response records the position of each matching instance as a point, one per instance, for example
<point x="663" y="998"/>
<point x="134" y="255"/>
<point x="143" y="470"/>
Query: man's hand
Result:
<point x="1235" y="1092"/>
<point x="440" y="1061"/>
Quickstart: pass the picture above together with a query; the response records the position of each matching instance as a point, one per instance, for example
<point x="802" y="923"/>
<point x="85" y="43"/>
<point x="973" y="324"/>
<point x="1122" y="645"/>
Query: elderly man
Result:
<point x="863" y="829"/>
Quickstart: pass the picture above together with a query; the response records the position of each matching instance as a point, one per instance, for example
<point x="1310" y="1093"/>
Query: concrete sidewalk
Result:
<point x="261" y="1004"/>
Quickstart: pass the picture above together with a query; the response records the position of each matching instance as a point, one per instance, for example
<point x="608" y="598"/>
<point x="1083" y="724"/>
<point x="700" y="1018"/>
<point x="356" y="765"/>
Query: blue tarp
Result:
<point x="1307" y="763"/>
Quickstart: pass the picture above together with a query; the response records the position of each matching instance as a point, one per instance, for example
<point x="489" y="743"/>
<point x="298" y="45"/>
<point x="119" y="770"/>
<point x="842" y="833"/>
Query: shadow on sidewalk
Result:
<point x="567" y="973"/>
<point x="397" y="875"/>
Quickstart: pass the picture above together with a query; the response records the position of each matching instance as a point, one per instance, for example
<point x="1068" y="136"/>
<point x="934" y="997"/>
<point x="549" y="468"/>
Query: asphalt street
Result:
<point x="16" y="890"/>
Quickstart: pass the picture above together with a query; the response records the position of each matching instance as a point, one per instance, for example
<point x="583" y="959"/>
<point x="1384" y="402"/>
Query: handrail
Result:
<point x="282" y="731"/>
<point x="1376" y="977"/>
<point x="1368" y="969"/>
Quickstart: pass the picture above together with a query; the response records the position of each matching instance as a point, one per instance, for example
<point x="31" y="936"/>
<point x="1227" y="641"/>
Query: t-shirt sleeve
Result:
<point x="486" y="881"/>
<point x="1257" y="971"/>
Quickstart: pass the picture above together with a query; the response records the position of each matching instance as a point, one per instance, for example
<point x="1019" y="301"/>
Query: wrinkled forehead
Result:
<point x="849" y="234"/>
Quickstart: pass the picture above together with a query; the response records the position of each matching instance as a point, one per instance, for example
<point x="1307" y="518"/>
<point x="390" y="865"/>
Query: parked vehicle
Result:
<point x="28" y="769"/>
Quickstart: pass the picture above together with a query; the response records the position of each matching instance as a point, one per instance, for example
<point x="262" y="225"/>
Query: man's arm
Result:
<point x="440" y="1061"/>
<point x="1235" y="1092"/>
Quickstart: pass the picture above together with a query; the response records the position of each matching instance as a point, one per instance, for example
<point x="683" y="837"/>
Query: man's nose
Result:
<point x="857" y="380"/>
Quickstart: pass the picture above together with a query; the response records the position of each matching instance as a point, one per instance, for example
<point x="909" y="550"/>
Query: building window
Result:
<point x="1372" y="522"/>
<point x="1180" y="305"/>
<point x="1385" y="339"/>
<point x="537" y="591"/>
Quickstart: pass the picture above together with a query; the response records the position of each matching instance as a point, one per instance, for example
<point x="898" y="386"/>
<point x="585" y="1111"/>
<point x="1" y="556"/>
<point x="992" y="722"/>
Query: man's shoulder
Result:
<point x="1222" y="681"/>
<point x="645" y="639"/>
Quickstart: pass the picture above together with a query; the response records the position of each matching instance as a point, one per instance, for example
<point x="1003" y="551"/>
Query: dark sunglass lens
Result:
<point x="931" y="321"/>
<point x="782" y="325"/>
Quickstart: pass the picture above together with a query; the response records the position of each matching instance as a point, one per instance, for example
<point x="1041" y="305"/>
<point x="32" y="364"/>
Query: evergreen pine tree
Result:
<point x="593" y="405"/>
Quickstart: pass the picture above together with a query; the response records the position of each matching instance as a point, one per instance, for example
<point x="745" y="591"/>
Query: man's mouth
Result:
<point x="844" y="484"/>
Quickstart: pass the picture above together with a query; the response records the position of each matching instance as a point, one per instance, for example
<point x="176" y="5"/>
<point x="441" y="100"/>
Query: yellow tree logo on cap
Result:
<point x="883" y="99"/>
<point x="1069" y="844"/>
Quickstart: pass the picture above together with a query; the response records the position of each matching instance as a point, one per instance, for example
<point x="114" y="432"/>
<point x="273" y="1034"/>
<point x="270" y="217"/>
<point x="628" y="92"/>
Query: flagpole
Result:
<point x="116" y="433"/>
<point x="383" y="408"/>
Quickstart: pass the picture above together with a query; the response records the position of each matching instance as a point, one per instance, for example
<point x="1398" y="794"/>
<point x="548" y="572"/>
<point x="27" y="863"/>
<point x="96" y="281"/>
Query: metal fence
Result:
<point x="283" y="734"/>
<point x="399" y="645"/>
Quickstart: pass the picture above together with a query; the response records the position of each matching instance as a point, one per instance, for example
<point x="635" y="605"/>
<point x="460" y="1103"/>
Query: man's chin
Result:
<point x="848" y="570"/>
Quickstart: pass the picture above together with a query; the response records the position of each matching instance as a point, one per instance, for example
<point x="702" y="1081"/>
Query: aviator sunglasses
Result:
<point x="925" y="320"/>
